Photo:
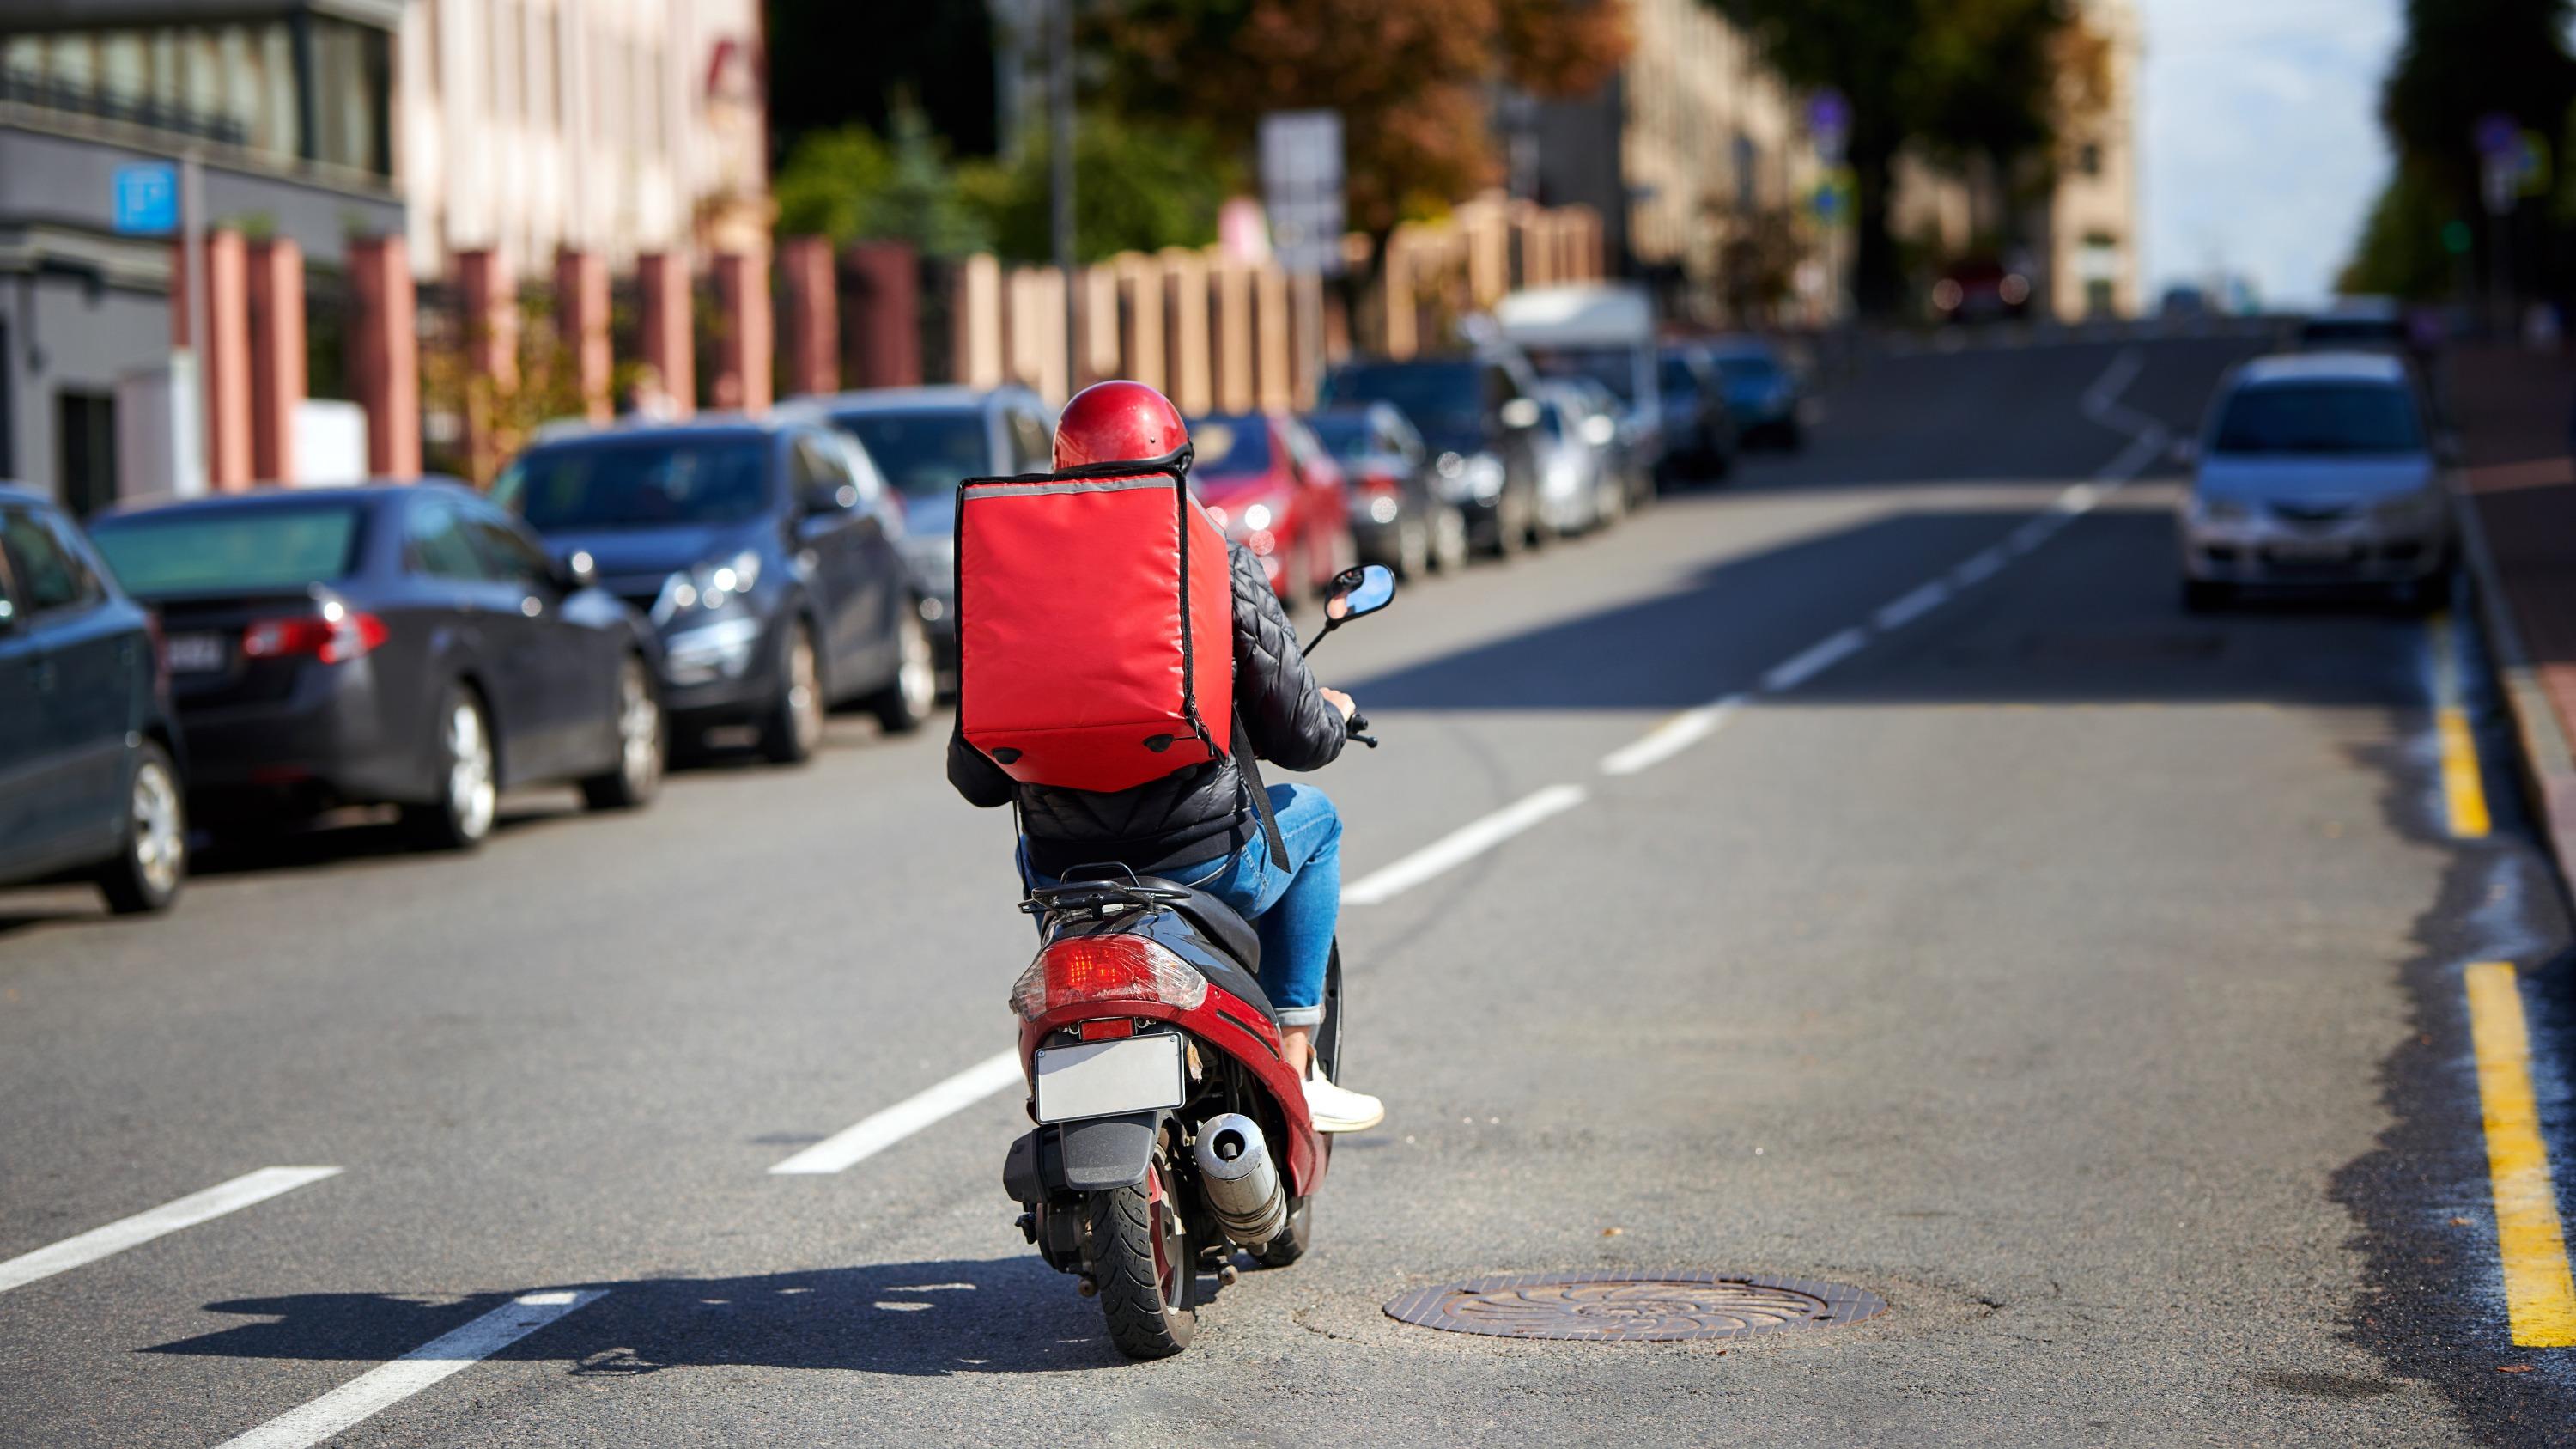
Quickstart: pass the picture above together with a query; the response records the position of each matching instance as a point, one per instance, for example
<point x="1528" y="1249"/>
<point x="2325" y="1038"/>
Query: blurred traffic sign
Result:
<point x="1301" y="188"/>
<point x="147" y="199"/>
<point x="1829" y="117"/>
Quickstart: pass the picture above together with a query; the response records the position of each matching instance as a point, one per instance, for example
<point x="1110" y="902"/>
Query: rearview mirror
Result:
<point x="830" y="497"/>
<point x="1359" y="591"/>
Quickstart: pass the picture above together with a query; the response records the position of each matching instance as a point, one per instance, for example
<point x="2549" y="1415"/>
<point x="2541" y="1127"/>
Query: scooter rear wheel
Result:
<point x="1144" y="1267"/>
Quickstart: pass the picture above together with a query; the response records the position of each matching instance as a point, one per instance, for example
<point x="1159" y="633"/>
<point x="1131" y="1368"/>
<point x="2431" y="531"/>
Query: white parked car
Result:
<point x="2319" y="468"/>
<point x="1580" y="483"/>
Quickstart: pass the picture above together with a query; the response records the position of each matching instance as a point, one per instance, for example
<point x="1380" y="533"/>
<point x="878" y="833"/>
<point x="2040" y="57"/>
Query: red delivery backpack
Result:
<point x="1095" y="623"/>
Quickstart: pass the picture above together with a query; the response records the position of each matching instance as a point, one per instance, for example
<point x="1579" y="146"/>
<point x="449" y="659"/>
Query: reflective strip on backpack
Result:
<point x="1103" y="485"/>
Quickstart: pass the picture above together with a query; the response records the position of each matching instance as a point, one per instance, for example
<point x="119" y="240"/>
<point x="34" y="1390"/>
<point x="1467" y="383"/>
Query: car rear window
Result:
<point x="203" y="551"/>
<point x="925" y="454"/>
<point x="2319" y="417"/>
<point x="1230" y="445"/>
<point x="638" y="483"/>
<point x="1442" y="398"/>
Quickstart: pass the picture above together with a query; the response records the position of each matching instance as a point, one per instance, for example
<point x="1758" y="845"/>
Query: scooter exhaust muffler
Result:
<point x="1242" y="1183"/>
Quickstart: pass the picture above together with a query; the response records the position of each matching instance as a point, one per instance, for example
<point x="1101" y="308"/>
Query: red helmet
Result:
<point x="1117" y="422"/>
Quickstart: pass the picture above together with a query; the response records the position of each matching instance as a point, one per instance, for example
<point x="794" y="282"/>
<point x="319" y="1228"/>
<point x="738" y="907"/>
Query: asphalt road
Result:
<point x="2080" y="976"/>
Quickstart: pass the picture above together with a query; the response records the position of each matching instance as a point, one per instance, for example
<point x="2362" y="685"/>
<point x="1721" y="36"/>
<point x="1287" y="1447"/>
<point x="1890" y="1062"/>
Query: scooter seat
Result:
<point x="1216" y="920"/>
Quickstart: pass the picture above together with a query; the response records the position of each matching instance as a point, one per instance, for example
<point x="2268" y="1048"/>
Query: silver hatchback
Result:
<point x="2317" y="469"/>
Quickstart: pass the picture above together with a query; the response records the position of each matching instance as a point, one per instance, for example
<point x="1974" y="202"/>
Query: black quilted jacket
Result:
<point x="1194" y="814"/>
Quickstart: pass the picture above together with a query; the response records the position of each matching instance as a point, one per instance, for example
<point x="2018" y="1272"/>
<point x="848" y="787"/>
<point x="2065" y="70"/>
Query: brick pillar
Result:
<point x="488" y="301"/>
<point x="977" y="310"/>
<point x="276" y="355"/>
<point x="1488" y="236"/>
<point x="1274" y="337"/>
<point x="668" y="342"/>
<point x="1396" y="293"/>
<point x="886" y="315"/>
<point x="581" y="325"/>
<point x="1140" y="282"/>
<point x="1188" y="361"/>
<point x="1235" y="390"/>
<point x="744" y="349"/>
<point x="1037" y="330"/>
<point x="813" y="320"/>
<point x="226" y="361"/>
<point x="1100" y="330"/>
<point x="384" y="354"/>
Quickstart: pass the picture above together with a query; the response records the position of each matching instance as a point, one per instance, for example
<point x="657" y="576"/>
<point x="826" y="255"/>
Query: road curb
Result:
<point x="2547" y="770"/>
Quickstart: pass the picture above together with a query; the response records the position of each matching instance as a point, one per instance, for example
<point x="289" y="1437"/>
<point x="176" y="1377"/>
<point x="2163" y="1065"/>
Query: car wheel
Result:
<point x="642" y="745"/>
<point x="902" y="705"/>
<point x="468" y="786"/>
<point x="795" y="723"/>
<point x="151" y="861"/>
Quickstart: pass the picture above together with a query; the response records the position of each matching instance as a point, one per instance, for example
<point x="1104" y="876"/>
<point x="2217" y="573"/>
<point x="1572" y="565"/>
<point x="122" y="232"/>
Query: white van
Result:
<point x="1601" y="330"/>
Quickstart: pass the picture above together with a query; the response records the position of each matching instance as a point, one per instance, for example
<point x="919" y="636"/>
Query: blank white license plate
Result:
<point x="195" y="653"/>
<point x="1106" y="1078"/>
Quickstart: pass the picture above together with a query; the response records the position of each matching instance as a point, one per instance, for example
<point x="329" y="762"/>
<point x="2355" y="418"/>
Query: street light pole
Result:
<point x="1060" y="164"/>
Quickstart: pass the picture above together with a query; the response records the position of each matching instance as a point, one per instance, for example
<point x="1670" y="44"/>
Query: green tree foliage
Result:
<point x="2463" y="60"/>
<point x="1136" y="186"/>
<point x="1411" y="78"/>
<point x="1955" y="78"/>
<point x="850" y="185"/>
<point x="832" y="63"/>
<point x="2401" y="252"/>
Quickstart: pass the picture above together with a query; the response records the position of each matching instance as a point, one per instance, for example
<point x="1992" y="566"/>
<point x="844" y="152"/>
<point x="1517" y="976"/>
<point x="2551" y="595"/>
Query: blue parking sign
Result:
<point x="147" y="199"/>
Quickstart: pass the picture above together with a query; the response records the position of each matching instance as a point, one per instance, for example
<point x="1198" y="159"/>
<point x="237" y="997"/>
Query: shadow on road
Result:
<point x="1003" y="1315"/>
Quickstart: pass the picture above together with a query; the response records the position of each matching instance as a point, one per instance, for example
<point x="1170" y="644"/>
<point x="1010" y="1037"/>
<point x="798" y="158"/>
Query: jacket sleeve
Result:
<point x="975" y="775"/>
<point x="1290" y="722"/>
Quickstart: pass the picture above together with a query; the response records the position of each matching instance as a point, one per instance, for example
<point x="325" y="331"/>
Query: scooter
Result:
<point x="1169" y="1131"/>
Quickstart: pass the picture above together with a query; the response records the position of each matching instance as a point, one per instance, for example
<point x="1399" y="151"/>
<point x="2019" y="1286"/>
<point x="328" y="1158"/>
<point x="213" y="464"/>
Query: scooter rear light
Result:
<point x="1105" y="968"/>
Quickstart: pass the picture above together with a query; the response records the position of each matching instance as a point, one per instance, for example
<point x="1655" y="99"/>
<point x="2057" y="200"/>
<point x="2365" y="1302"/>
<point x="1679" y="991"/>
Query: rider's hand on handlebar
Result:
<point x="1339" y="701"/>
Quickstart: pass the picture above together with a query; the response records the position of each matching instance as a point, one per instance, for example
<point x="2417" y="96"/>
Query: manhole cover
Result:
<point x="1632" y="1307"/>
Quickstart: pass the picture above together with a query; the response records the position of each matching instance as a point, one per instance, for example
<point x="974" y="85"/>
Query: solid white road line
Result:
<point x="1461" y="845"/>
<point x="875" y="1134"/>
<point x="1671" y="737"/>
<point x="1815" y="659"/>
<point x="381" y="1387"/>
<point x="170" y="1217"/>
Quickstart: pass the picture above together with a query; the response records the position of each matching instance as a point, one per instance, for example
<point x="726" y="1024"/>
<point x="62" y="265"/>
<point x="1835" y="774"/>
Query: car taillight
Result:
<point x="1378" y="483"/>
<point x="1105" y="968"/>
<point x="335" y="635"/>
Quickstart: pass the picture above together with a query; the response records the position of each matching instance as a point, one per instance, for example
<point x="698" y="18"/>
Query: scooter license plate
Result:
<point x="1107" y="1078"/>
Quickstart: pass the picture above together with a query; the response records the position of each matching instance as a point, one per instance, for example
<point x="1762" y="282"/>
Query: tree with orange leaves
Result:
<point x="1413" y="79"/>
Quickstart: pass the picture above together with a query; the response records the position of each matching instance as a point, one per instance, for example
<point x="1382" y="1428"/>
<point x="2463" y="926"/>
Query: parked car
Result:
<point x="923" y="440"/>
<point x="1980" y="289"/>
<point x="1579" y="485"/>
<point x="1699" y="432"/>
<point x="1476" y="416"/>
<point x="2357" y="324"/>
<point x="404" y="644"/>
<point x="1763" y="396"/>
<point x="767" y="556"/>
<point x="1598" y="333"/>
<point x="1397" y="517"/>
<point x="2318" y="468"/>
<point x="90" y="779"/>
<point x="1274" y="489"/>
<point x="1631" y="464"/>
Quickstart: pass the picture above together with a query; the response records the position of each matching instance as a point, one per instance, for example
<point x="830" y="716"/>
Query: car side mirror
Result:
<point x="829" y="497"/>
<point x="576" y="571"/>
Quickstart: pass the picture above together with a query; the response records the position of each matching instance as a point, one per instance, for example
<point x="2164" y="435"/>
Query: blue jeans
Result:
<point x="1292" y="904"/>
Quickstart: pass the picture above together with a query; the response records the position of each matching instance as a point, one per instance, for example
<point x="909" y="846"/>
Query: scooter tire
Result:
<point x="1285" y="1249"/>
<point x="1150" y="1314"/>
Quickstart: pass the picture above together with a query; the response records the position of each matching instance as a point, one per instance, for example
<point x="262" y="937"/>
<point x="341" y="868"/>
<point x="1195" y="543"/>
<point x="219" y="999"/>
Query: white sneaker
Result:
<point x="1337" y="1109"/>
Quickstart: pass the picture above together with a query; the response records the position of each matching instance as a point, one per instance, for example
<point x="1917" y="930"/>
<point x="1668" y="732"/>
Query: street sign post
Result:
<point x="1301" y="189"/>
<point x="147" y="199"/>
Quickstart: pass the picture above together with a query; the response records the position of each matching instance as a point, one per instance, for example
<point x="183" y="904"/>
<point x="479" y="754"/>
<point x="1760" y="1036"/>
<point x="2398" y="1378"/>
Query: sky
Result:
<point x="2259" y="142"/>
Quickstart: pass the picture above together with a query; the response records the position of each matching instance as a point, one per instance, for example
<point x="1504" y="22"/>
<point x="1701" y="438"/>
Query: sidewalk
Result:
<point x="2513" y="410"/>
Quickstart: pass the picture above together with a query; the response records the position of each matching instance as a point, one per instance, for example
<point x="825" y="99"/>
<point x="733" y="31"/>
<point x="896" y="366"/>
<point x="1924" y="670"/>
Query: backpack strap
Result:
<point x="1247" y="767"/>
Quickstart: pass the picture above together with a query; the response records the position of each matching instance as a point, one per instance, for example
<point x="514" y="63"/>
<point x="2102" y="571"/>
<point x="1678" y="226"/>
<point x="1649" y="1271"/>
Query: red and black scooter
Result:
<point x="1169" y="1130"/>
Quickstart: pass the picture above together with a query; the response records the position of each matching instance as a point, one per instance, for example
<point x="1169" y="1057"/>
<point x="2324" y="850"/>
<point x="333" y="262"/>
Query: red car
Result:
<point x="1273" y="488"/>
